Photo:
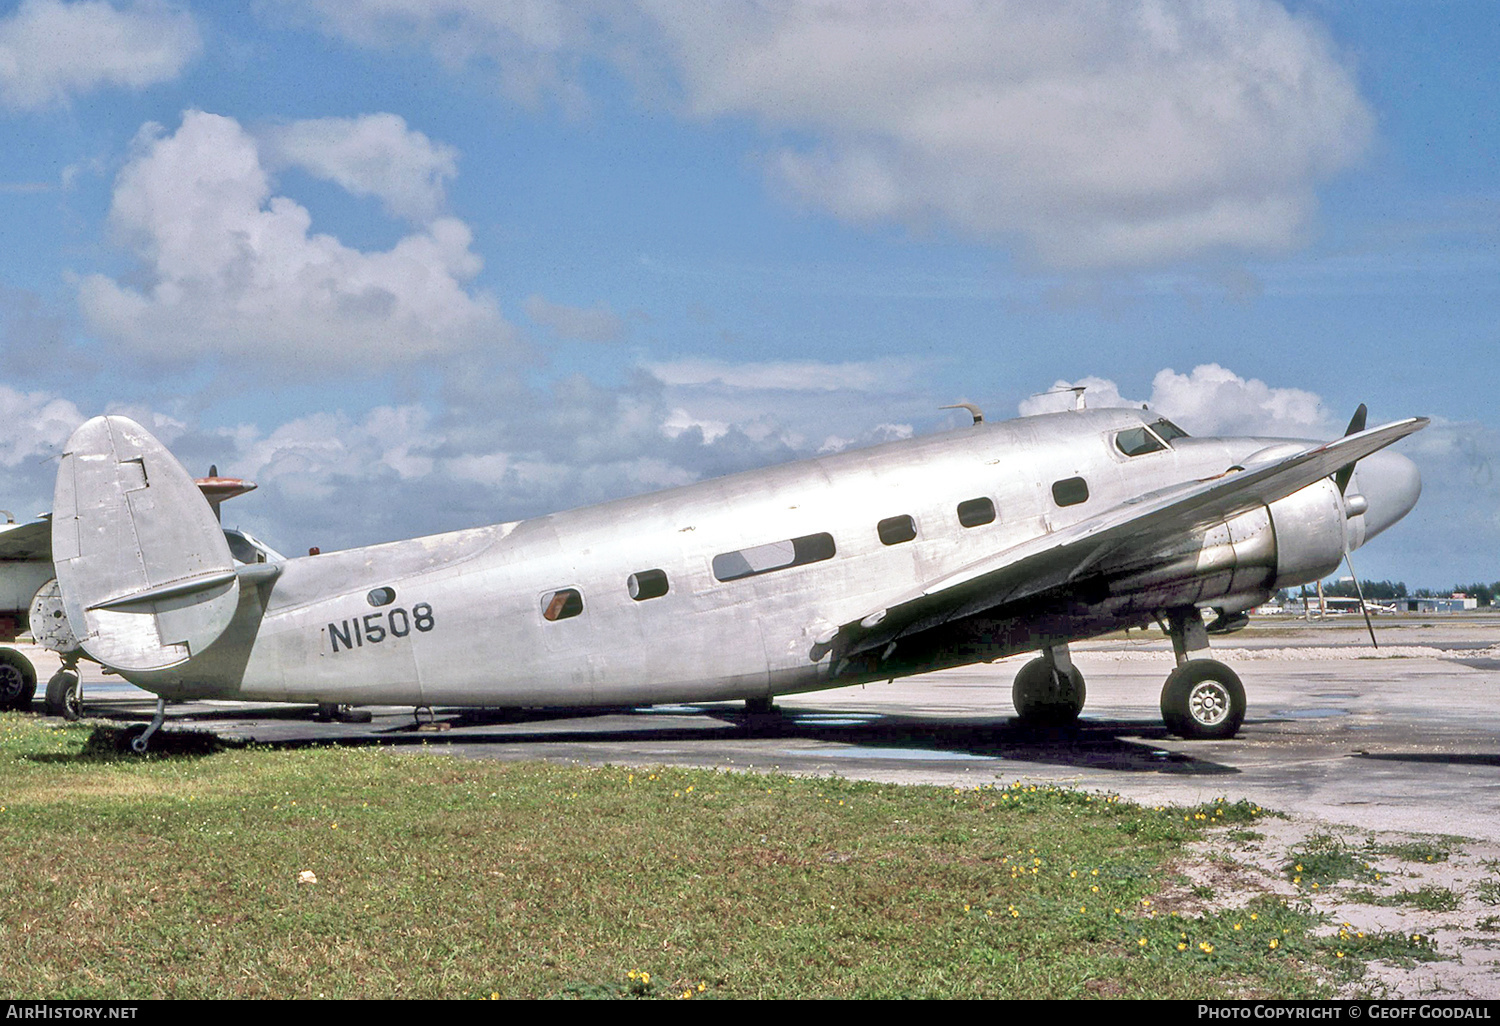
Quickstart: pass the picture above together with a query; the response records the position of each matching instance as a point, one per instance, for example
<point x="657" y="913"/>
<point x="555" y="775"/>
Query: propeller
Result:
<point x="1356" y="425"/>
<point x="1341" y="478"/>
<point x="1369" y="624"/>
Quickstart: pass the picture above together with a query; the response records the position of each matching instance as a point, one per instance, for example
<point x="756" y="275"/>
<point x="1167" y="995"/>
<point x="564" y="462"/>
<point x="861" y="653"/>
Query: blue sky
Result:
<point x="421" y="266"/>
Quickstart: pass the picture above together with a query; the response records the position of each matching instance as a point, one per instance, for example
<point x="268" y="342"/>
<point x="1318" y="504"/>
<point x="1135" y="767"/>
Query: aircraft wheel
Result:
<point x="1203" y="700"/>
<point x="17" y="680"/>
<point x="64" y="697"/>
<point x="131" y="740"/>
<point x="1043" y="698"/>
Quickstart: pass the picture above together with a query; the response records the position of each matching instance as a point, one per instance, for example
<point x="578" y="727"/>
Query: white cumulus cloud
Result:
<point x="233" y="270"/>
<point x="1208" y="400"/>
<point x="51" y="51"/>
<point x="372" y="155"/>
<point x="1124" y="133"/>
<point x="777" y="410"/>
<point x="1119" y="134"/>
<point x="532" y="47"/>
<point x="36" y="425"/>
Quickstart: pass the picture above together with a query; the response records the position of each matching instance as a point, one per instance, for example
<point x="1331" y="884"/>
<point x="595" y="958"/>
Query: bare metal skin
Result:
<point x="869" y="564"/>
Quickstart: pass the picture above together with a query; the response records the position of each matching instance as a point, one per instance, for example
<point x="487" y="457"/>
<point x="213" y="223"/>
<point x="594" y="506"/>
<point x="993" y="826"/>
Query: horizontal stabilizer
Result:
<point x="146" y="576"/>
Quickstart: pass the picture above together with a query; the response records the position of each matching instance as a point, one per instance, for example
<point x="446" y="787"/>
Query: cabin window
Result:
<point x="762" y="559"/>
<point x="976" y="512"/>
<point x="1070" y="491"/>
<point x="1138" y="442"/>
<point x="646" y="584"/>
<point x="895" y="530"/>
<point x="562" y="604"/>
<point x="381" y="596"/>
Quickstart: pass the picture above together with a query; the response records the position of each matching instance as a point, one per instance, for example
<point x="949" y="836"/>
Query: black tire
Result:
<point x="17" y="680"/>
<point x="125" y="743"/>
<point x="1041" y="700"/>
<point x="64" y="696"/>
<point x="1203" y="700"/>
<point x="349" y="714"/>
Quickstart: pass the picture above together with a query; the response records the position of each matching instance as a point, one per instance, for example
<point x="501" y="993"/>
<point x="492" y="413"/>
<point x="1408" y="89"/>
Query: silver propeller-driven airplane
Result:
<point x="867" y="565"/>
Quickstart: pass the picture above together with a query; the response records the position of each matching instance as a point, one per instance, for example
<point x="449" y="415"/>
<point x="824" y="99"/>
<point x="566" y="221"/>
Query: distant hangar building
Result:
<point x="1452" y="604"/>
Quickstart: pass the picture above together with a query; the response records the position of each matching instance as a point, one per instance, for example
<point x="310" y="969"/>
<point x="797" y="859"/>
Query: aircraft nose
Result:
<point x="1390" y="484"/>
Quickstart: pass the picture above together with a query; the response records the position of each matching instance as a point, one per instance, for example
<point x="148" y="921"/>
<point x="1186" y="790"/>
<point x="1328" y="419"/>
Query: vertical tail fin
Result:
<point x="145" y="573"/>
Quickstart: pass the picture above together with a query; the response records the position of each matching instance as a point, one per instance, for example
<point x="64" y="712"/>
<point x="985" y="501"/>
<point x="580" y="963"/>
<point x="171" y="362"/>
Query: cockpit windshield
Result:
<point x="1137" y="442"/>
<point x="1167" y="430"/>
<point x="1155" y="438"/>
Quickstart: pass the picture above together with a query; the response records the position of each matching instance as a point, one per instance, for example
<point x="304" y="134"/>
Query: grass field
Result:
<point x="178" y="875"/>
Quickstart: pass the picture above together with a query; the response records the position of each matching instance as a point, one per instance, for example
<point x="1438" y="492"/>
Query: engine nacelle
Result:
<point x="1309" y="527"/>
<point x="1237" y="564"/>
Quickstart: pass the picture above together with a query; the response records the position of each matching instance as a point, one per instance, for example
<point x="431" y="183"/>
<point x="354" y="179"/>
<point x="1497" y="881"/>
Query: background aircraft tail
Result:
<point x="145" y="573"/>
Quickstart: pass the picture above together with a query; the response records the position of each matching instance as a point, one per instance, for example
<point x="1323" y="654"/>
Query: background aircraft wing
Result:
<point x="34" y="540"/>
<point x="26" y="541"/>
<point x="1140" y="526"/>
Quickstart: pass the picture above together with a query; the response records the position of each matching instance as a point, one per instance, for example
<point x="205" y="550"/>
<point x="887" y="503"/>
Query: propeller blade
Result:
<point x="1344" y="473"/>
<point x="1357" y="422"/>
<point x="1369" y="624"/>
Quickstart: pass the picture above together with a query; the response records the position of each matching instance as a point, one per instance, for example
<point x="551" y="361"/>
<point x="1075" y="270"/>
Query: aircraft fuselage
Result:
<point x="723" y="589"/>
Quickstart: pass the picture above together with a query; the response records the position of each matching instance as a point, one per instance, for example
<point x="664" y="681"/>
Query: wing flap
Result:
<point x="1141" y="525"/>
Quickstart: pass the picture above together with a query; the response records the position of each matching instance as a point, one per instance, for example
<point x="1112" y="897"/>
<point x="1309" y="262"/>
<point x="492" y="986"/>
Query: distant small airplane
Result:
<point x="1334" y="605"/>
<point x="867" y="565"/>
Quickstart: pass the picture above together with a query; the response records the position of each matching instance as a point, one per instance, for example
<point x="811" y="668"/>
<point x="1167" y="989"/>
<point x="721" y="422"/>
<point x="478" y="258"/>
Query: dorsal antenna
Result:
<point x="1077" y="391"/>
<point x="974" y="411"/>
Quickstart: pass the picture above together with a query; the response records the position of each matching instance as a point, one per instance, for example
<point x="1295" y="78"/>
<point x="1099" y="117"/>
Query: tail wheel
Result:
<point x="64" y="696"/>
<point x="1203" y="700"/>
<point x="1045" y="696"/>
<point x="17" y="680"/>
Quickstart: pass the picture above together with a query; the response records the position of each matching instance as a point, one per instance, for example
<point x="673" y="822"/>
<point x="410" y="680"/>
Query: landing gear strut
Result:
<point x="1202" y="699"/>
<point x="1049" y="690"/>
<point x="138" y="745"/>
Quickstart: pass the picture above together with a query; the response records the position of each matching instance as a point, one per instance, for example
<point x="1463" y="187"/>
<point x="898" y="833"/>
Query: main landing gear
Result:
<point x="1049" y="690"/>
<point x="1202" y="699"/>
<point x="65" y="693"/>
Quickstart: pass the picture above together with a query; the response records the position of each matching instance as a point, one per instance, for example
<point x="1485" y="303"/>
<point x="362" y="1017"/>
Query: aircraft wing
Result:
<point x="1141" y="525"/>
<point x="26" y="541"/>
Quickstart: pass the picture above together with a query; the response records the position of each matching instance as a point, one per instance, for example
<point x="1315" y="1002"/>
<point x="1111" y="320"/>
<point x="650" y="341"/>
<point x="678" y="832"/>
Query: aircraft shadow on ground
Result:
<point x="1117" y="745"/>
